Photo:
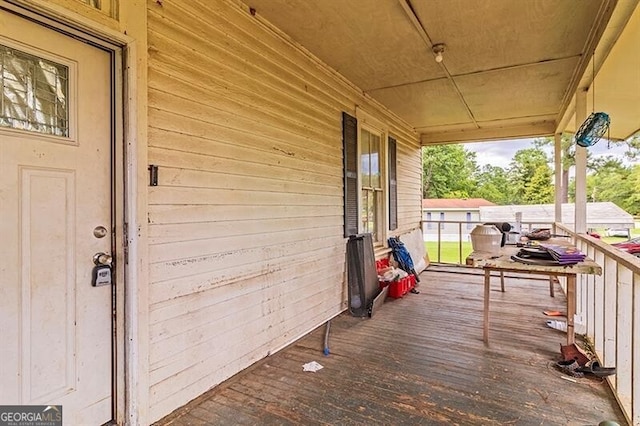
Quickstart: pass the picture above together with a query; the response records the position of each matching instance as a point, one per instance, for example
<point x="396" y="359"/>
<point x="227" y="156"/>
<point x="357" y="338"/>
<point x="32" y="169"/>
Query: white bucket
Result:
<point x="486" y="238"/>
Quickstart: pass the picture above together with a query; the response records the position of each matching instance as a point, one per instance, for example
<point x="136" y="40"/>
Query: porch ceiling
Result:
<point x="617" y="84"/>
<point x="510" y="69"/>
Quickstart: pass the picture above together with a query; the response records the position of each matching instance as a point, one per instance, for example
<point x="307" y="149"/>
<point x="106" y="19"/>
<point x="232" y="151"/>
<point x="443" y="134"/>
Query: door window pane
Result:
<point x="35" y="93"/>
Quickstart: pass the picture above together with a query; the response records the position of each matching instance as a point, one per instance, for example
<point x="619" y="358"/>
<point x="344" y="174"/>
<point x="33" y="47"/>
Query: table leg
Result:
<point x="552" y="281"/>
<point x="485" y="331"/>
<point x="571" y="308"/>
<point x="502" y="281"/>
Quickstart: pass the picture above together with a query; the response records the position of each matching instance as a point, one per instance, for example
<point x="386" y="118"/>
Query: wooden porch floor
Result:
<point x="419" y="361"/>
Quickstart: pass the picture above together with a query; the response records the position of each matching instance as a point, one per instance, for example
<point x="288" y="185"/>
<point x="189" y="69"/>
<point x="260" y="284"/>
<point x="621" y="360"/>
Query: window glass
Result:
<point x="369" y="217"/>
<point x="374" y="161"/>
<point x="365" y="155"/>
<point x="441" y="218"/>
<point x="469" y="225"/>
<point x="35" y="93"/>
<point x="371" y="212"/>
<point x="429" y="223"/>
<point x="371" y="184"/>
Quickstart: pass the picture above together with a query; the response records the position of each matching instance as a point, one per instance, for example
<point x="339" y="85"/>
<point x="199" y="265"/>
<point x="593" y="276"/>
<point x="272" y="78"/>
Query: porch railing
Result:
<point x="608" y="309"/>
<point x="442" y="235"/>
<point x="608" y="306"/>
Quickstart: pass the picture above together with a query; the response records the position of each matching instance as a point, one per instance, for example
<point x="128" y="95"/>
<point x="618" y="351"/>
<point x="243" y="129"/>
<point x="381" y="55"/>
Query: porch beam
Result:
<point x="581" y="168"/>
<point x="582" y="79"/>
<point x="422" y="32"/>
<point x="557" y="156"/>
<point x="489" y="134"/>
<point x="615" y="25"/>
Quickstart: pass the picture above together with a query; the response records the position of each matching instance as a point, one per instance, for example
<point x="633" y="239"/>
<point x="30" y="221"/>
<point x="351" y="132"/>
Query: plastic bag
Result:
<point x="393" y="274"/>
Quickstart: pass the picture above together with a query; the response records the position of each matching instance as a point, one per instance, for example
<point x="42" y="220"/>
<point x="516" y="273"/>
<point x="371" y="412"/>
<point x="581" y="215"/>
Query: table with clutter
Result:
<point x="505" y="258"/>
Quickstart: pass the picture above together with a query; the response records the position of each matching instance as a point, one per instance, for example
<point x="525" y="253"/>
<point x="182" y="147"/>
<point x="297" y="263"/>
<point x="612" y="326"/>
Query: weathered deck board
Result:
<point x="420" y="360"/>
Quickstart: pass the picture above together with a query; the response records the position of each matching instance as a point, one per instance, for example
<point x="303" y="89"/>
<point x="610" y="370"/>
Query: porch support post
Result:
<point x="581" y="168"/>
<point x="133" y="17"/>
<point x="557" y="153"/>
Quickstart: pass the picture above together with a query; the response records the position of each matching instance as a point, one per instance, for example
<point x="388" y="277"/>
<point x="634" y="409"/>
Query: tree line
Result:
<point x="451" y="171"/>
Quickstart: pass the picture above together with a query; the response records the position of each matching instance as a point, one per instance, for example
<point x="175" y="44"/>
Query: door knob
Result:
<point x="102" y="259"/>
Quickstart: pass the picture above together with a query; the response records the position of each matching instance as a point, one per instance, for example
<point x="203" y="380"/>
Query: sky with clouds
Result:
<point x="500" y="153"/>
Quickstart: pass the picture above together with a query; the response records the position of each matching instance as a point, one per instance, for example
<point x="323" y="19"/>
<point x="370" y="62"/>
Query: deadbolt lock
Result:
<point x="102" y="259"/>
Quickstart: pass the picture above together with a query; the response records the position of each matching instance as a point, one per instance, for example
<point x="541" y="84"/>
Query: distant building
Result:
<point x="465" y="210"/>
<point x="599" y="215"/>
<point x="453" y="219"/>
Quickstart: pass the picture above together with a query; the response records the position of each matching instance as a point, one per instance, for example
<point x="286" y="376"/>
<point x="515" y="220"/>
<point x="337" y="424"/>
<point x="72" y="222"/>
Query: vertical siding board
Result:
<point x="247" y="222"/>
<point x="598" y="333"/>
<point x="635" y="347"/>
<point x="610" y="274"/>
<point x="590" y="297"/>
<point x="624" y="340"/>
<point x="615" y="307"/>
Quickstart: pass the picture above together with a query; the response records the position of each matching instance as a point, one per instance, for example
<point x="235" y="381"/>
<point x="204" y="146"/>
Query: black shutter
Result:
<point x="393" y="186"/>
<point x="350" y="155"/>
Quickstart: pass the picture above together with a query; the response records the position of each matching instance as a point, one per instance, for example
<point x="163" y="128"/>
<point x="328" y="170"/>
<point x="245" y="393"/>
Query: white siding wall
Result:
<point x="449" y="231"/>
<point x="245" y="226"/>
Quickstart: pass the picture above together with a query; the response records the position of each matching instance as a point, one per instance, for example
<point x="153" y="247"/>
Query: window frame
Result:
<point x="368" y="123"/>
<point x="352" y="175"/>
<point x="72" y="107"/>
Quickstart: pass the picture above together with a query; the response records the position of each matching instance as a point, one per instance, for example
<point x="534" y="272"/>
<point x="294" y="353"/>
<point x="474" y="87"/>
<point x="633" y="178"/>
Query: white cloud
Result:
<point x="500" y="153"/>
<point x="497" y="153"/>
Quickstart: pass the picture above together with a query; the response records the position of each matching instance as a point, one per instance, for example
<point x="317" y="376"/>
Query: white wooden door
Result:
<point x="55" y="190"/>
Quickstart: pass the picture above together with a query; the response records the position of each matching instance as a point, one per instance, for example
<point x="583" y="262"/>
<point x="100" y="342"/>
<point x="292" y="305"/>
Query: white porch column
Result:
<point x="581" y="167"/>
<point x="557" y="155"/>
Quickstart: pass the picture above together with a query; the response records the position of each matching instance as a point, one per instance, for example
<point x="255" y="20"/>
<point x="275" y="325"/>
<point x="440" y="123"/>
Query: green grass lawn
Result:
<point x="634" y="233"/>
<point x="449" y="251"/>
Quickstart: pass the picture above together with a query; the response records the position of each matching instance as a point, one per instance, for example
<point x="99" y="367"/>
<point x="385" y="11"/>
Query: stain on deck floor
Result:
<point x="419" y="361"/>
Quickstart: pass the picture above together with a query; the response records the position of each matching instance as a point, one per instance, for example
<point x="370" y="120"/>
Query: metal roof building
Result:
<point x="599" y="215"/>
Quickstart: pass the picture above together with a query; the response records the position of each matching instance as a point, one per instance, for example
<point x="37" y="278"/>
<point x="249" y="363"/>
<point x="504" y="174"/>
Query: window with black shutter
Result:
<point x="350" y="155"/>
<point x="393" y="186"/>
<point x="369" y="177"/>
